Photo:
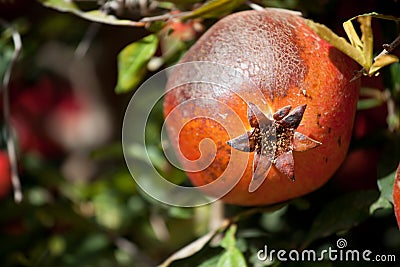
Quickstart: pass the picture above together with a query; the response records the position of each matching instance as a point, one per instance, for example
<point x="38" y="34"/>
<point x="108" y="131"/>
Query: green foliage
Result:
<point x="341" y="214"/>
<point x="132" y="61"/>
<point x="232" y="255"/>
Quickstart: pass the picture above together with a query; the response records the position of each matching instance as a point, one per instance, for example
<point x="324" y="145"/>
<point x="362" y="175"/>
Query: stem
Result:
<point x="6" y="111"/>
<point x="388" y="48"/>
<point x="86" y="41"/>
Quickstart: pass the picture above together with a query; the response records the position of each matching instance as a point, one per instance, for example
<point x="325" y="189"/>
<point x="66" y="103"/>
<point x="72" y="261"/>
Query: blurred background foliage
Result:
<point x="81" y="207"/>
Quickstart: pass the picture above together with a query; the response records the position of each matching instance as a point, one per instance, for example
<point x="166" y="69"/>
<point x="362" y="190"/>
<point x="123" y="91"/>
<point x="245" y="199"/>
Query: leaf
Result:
<point x="189" y="250"/>
<point x="385" y="185"/>
<point x="214" y="8"/>
<point x="381" y="62"/>
<point x="101" y="17"/>
<point x="380" y="204"/>
<point x="95" y="15"/>
<point x="213" y="261"/>
<point x="396" y="195"/>
<point x="233" y="257"/>
<point x="132" y="61"/>
<point x="366" y="39"/>
<point x="193" y="247"/>
<point x="361" y="50"/>
<point x="229" y="239"/>
<point x="352" y="34"/>
<point x="385" y="199"/>
<point x="341" y="214"/>
<point x="338" y="42"/>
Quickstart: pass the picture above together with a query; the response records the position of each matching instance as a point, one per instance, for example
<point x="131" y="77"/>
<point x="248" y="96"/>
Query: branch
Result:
<point x="6" y="111"/>
<point x="387" y="49"/>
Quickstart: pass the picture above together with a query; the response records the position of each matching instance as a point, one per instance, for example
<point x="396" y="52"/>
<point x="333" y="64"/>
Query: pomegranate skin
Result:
<point x="290" y="65"/>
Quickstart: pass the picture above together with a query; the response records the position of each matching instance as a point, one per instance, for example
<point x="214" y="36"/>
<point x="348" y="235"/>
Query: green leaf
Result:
<point x="232" y="255"/>
<point x="341" y="214"/>
<point x="213" y="261"/>
<point x="380" y="204"/>
<point x="229" y="239"/>
<point x="385" y="199"/>
<point x="60" y="5"/>
<point x="232" y="258"/>
<point x="385" y="186"/>
<point x="94" y="15"/>
<point x="132" y="61"/>
<point x="214" y="8"/>
<point x="101" y="17"/>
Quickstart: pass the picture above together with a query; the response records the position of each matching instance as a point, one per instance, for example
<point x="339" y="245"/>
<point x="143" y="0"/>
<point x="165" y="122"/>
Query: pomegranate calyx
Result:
<point x="273" y="141"/>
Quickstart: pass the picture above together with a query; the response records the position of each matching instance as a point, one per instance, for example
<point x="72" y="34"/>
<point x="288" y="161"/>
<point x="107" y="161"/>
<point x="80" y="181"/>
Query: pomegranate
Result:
<point x="396" y="195"/>
<point x="5" y="175"/>
<point x="295" y="115"/>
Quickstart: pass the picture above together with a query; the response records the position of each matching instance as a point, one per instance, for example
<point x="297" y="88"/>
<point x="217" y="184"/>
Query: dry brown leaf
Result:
<point x="381" y="62"/>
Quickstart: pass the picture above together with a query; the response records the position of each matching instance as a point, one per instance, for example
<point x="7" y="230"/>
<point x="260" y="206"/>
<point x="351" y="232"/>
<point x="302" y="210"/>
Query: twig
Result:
<point x="6" y="111"/>
<point x="84" y="44"/>
<point x="387" y="48"/>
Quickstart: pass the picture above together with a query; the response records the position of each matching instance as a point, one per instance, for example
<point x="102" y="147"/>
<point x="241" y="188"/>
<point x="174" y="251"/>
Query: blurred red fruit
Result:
<point x="396" y="195"/>
<point x="358" y="171"/>
<point x="5" y="175"/>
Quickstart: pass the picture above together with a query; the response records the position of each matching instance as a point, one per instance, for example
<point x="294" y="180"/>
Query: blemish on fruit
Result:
<point x="339" y="141"/>
<point x="318" y="118"/>
<point x="305" y="93"/>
